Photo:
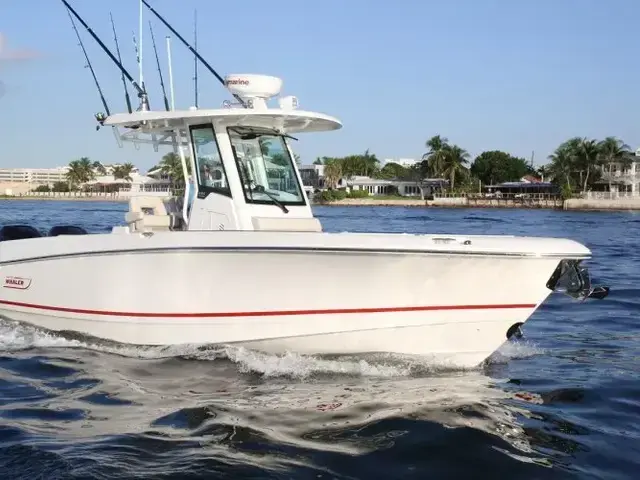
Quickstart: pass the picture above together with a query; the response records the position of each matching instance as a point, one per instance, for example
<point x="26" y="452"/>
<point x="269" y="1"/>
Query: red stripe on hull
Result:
<point x="276" y="313"/>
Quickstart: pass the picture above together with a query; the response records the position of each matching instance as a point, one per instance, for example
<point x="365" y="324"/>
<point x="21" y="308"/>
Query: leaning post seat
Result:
<point x="148" y="213"/>
<point x="66" y="230"/>
<point x="18" y="232"/>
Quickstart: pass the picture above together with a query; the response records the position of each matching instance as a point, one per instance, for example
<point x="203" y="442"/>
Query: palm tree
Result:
<point x="562" y="165"/>
<point x="435" y="156"/>
<point x="587" y="158"/>
<point x="171" y="165"/>
<point x="265" y="144"/>
<point x="123" y="172"/>
<point x="370" y="164"/>
<point x="543" y="171"/>
<point x="612" y="150"/>
<point x="98" y="167"/>
<point x="80" y="171"/>
<point x="453" y="163"/>
<point x="332" y="172"/>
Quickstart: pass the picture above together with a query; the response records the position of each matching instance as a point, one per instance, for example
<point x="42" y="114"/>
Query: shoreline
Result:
<point x="573" y="204"/>
<point x="374" y="202"/>
<point x="66" y="199"/>
<point x="568" y="205"/>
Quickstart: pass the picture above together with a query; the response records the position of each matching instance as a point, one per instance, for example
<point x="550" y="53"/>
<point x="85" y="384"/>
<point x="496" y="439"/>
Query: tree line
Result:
<point x="580" y="162"/>
<point x="83" y="170"/>
<point x="576" y="165"/>
<point x="442" y="160"/>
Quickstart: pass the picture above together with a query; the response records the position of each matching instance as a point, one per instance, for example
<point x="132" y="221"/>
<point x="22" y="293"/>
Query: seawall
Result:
<point x="377" y="202"/>
<point x="114" y="199"/>
<point x="620" y="204"/>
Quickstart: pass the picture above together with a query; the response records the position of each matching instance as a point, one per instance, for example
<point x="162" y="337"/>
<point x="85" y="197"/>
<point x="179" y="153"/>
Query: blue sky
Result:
<point x="518" y="76"/>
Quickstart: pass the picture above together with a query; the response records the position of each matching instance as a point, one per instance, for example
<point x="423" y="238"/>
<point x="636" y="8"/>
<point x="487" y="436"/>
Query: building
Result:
<point x="620" y="179"/>
<point x="35" y="176"/>
<point x="521" y="189"/>
<point x="138" y="184"/>
<point x="312" y="177"/>
<point x="404" y="188"/>
<point x="21" y="181"/>
<point x="158" y="174"/>
<point x="313" y="180"/>
<point x="405" y="162"/>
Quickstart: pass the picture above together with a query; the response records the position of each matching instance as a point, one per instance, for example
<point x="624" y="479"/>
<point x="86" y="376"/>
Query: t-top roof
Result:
<point x="287" y="121"/>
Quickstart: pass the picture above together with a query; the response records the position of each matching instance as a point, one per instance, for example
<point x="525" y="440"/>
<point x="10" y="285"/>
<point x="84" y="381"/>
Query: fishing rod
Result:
<point x="138" y="61"/>
<point x="93" y="73"/>
<point x="155" y="50"/>
<point x="198" y="56"/>
<point x="142" y="94"/>
<point x="124" y="82"/>
<point x="195" y="59"/>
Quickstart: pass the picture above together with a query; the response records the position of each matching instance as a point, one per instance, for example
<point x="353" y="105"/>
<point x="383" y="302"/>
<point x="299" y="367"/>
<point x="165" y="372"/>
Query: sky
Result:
<point x="519" y="76"/>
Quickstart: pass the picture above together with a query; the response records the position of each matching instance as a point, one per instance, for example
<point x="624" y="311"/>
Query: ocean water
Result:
<point x="564" y="402"/>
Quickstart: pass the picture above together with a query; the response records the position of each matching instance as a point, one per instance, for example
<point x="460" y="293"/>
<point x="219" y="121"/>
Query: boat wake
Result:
<point x="222" y="405"/>
<point x="17" y="336"/>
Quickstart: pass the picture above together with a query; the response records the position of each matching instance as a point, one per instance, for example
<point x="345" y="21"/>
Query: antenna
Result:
<point x="93" y="73"/>
<point x="124" y="83"/>
<point x="173" y="98"/>
<point x="142" y="94"/>
<point x="198" y="56"/>
<point x="138" y="59"/>
<point x="164" y="91"/>
<point x="195" y="59"/>
<point x="140" y="35"/>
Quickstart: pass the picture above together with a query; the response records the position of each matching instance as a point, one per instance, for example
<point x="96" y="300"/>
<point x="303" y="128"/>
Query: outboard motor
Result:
<point x="66" y="230"/>
<point x="18" y="232"/>
<point x="574" y="280"/>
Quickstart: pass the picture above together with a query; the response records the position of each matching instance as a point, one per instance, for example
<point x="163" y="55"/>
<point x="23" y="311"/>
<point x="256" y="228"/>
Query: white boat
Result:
<point x="228" y="269"/>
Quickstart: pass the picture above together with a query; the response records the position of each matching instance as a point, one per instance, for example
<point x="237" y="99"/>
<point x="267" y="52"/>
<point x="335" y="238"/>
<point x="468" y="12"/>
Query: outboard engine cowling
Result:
<point x="18" y="232"/>
<point x="66" y="230"/>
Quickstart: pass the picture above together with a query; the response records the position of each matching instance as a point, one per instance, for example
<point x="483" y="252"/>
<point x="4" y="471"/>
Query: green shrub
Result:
<point x="566" y="192"/>
<point x="358" y="194"/>
<point x="327" y="196"/>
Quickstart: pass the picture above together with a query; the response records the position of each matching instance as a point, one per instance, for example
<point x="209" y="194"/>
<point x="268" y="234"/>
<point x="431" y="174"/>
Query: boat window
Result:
<point x="265" y="167"/>
<point x="210" y="172"/>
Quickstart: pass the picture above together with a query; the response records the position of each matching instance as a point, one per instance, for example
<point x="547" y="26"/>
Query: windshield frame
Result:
<point x="203" y="190"/>
<point x="249" y="196"/>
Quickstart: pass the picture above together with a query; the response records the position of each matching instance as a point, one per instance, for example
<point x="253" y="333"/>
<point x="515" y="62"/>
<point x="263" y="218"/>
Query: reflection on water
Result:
<point x="562" y="403"/>
<point x="265" y="413"/>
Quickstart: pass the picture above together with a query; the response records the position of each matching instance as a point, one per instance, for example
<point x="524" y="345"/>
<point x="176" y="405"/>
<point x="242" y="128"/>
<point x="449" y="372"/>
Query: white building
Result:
<point x="313" y="179"/>
<point x="404" y="188"/>
<point x="405" y="162"/>
<point x="36" y="176"/>
<point x="137" y="184"/>
<point x="624" y="178"/>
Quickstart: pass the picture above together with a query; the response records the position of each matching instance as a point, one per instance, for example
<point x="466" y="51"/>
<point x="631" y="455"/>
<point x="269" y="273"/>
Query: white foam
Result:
<point x="15" y="336"/>
<point x="300" y="366"/>
<point x="516" y="350"/>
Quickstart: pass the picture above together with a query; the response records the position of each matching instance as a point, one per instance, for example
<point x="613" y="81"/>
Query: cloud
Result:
<point x="22" y="54"/>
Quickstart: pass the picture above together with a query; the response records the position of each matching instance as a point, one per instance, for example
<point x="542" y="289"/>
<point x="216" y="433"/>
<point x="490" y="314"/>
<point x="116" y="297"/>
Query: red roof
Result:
<point x="531" y="179"/>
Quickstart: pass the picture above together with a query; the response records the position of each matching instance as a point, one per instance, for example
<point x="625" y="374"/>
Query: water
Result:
<point x="563" y="403"/>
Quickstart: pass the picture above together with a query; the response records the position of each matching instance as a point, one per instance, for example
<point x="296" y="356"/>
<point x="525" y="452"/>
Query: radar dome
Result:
<point x="253" y="87"/>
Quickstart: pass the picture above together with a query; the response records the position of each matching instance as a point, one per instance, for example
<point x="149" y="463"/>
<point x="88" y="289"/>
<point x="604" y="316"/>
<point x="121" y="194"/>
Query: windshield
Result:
<point x="265" y="167"/>
<point x="210" y="173"/>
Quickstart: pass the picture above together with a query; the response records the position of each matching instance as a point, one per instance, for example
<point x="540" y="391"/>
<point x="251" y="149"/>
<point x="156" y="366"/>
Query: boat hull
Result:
<point x="455" y="309"/>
